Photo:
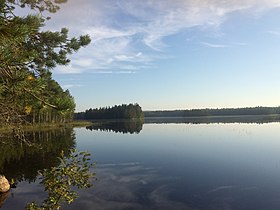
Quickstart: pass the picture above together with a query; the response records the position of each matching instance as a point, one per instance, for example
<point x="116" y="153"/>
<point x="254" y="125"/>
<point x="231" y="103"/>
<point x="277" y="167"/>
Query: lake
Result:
<point x="161" y="164"/>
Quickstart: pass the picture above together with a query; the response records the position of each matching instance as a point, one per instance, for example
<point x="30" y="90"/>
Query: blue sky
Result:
<point x="178" y="54"/>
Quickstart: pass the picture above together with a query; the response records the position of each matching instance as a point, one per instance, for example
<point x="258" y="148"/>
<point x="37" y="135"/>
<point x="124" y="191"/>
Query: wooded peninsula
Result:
<point x="124" y="111"/>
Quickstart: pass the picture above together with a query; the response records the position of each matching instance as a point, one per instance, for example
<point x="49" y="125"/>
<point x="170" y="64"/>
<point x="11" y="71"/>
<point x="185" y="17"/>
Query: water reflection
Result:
<point x="185" y="166"/>
<point x="21" y="160"/>
<point x="175" y="166"/>
<point x="132" y="186"/>
<point x="132" y="127"/>
<point x="3" y="197"/>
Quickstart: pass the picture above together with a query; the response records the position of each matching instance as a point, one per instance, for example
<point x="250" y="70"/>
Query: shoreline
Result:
<point x="43" y="126"/>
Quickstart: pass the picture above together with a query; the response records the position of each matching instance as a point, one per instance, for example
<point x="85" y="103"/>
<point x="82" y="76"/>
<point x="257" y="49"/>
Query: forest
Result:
<point x="124" y="111"/>
<point x="28" y="54"/>
<point x="29" y="94"/>
<point x="215" y="112"/>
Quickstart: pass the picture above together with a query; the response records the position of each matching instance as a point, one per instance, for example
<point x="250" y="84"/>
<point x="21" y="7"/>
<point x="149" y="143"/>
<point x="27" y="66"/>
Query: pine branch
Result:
<point x="38" y="98"/>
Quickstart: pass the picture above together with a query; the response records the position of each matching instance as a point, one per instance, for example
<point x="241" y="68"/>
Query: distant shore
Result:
<point x="245" y="111"/>
<point x="216" y="119"/>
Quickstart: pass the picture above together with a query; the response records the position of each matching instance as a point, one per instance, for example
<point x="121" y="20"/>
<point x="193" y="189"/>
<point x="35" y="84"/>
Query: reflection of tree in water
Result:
<point x="3" y="197"/>
<point x="118" y="126"/>
<point x="21" y="161"/>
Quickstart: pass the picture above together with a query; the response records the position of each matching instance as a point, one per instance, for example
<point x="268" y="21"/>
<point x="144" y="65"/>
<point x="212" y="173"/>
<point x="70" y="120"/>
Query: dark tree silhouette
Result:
<point x="130" y="111"/>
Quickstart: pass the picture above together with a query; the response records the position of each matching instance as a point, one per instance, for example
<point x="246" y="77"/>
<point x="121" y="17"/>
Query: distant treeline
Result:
<point x="215" y="112"/>
<point x="124" y="111"/>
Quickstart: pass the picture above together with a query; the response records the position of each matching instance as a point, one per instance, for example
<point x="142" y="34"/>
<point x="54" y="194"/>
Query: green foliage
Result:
<point x="73" y="172"/>
<point x="27" y="55"/>
<point x="40" y="5"/>
<point x="130" y="111"/>
<point x="29" y="94"/>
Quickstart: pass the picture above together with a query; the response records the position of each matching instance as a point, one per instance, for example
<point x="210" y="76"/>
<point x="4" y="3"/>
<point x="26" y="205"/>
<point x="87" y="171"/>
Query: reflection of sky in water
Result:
<point x="179" y="166"/>
<point x="204" y="166"/>
<point x="23" y="194"/>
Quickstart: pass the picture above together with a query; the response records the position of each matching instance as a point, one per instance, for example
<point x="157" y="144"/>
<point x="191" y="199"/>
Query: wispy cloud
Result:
<point x="113" y="72"/>
<point x="213" y="45"/>
<point x="69" y="69"/>
<point x="130" y="34"/>
<point x="240" y="43"/>
<point x="67" y="86"/>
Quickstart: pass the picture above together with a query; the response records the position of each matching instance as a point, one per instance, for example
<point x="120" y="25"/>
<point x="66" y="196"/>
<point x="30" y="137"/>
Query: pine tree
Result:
<point x="27" y="56"/>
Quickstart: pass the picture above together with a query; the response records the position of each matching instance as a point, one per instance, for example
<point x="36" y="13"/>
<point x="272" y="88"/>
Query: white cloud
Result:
<point x="240" y="43"/>
<point x="131" y="58"/>
<point x="213" y="45"/>
<point x="133" y="31"/>
<point x="83" y="62"/>
<point x="114" y="72"/>
<point x="126" y="72"/>
<point x="103" y="32"/>
<point x="69" y="69"/>
<point x="70" y="86"/>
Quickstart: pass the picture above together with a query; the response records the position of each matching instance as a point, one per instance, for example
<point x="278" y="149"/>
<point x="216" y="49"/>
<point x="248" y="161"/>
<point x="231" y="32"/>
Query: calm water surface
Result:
<point x="166" y="166"/>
